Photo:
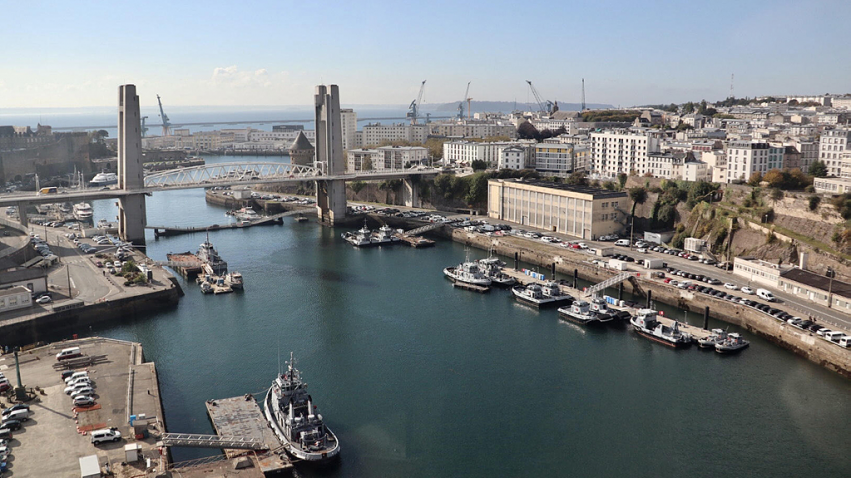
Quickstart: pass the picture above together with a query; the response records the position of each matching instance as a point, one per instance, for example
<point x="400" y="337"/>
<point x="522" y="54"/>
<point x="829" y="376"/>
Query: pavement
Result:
<point x="50" y="444"/>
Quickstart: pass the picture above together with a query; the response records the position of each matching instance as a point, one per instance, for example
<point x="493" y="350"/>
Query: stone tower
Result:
<point x="301" y="151"/>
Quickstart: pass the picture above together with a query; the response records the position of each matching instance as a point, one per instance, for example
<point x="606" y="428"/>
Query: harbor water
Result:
<point x="419" y="379"/>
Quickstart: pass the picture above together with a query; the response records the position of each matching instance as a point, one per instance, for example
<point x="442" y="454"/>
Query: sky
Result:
<point x="265" y="53"/>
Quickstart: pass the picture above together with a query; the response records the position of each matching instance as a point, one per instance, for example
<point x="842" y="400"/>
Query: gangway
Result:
<point x="175" y="264"/>
<point x="609" y="282"/>
<point x="426" y="228"/>
<point x="212" y="441"/>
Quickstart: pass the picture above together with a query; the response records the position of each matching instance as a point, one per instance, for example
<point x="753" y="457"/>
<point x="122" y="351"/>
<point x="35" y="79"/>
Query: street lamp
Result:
<point x="831" y="274"/>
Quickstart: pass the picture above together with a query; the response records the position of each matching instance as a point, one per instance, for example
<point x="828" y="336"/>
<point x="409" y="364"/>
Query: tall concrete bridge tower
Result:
<point x="330" y="194"/>
<point x="131" y="208"/>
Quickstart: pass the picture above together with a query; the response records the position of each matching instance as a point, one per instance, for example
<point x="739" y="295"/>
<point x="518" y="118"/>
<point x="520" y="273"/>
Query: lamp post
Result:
<point x="831" y="274"/>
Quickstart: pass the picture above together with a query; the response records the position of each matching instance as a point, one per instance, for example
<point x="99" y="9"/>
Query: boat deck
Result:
<point x="475" y="288"/>
<point x="243" y="417"/>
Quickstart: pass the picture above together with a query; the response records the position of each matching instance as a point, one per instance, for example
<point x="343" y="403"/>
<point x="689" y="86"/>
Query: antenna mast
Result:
<point x="582" y="108"/>
<point x="732" y="77"/>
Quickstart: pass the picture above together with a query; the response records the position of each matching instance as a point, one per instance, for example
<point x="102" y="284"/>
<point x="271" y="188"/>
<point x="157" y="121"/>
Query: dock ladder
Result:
<point x="426" y="228"/>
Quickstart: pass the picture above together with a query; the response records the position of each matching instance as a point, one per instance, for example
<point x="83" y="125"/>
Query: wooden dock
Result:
<point x="243" y="417"/>
<point x="415" y="241"/>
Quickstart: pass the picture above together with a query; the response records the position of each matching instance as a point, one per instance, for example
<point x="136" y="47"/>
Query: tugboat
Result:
<point x="646" y="324"/>
<point x="234" y="280"/>
<point x="492" y="267"/>
<point x="468" y="273"/>
<point x="361" y="238"/>
<point x="208" y="255"/>
<point x="385" y="236"/>
<point x="579" y="312"/>
<point x="290" y="411"/>
<point x="717" y="336"/>
<point x="732" y="344"/>
<point x="540" y="295"/>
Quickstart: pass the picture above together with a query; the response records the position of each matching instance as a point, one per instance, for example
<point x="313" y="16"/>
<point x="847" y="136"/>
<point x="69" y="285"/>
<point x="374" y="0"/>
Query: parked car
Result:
<point x="747" y="290"/>
<point x="19" y="406"/>
<point x="106" y="434"/>
<point x="75" y="388"/>
<point x="83" y="401"/>
<point x="45" y="299"/>
<point x="13" y="425"/>
<point x="731" y="286"/>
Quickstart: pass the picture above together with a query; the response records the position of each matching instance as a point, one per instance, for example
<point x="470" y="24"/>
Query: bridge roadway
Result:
<point x="182" y="180"/>
<point x="214" y="123"/>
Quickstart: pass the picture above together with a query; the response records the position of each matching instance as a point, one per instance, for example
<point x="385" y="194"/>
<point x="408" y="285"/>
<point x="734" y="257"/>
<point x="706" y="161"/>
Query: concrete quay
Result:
<point x="56" y="435"/>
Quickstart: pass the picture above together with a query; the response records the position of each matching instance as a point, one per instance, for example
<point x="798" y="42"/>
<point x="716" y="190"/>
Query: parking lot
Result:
<point x="49" y="444"/>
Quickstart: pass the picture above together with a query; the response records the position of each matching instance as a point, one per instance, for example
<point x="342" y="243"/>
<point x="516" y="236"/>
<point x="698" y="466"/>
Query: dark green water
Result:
<point x="419" y="379"/>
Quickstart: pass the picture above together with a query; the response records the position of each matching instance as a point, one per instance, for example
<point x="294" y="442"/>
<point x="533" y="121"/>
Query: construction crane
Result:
<point x="144" y="128"/>
<point x="582" y="108"/>
<point x="166" y="123"/>
<point x="461" y="104"/>
<point x="545" y="106"/>
<point x="414" y="109"/>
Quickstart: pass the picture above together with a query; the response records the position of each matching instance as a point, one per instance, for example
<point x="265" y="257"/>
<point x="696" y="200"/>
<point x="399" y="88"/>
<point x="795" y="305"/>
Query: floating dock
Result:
<point x="163" y="231"/>
<point x="243" y="417"/>
<point x="415" y="241"/>
<point x="472" y="287"/>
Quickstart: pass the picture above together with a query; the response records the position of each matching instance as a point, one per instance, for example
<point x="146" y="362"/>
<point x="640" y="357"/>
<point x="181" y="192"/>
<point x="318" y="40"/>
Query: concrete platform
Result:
<point x="52" y="440"/>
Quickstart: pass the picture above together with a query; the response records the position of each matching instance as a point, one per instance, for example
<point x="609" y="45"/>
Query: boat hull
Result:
<point x="660" y="340"/>
<point x="290" y="447"/>
<point x="577" y="320"/>
<point x="449" y="273"/>
<point x="730" y="350"/>
<point x="540" y="303"/>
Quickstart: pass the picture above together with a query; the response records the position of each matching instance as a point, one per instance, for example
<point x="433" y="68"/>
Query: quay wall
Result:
<point x="804" y="343"/>
<point x="48" y="326"/>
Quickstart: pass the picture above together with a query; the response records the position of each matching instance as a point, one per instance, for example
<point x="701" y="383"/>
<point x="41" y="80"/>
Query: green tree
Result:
<point x="366" y="165"/>
<point x="776" y="194"/>
<point x="818" y="169"/>
<point x="621" y="181"/>
<point x="527" y="131"/>
<point x="577" y="178"/>
<point x="479" y="165"/>
<point x="755" y="179"/>
<point x="688" y="108"/>
<point x="814" y="202"/>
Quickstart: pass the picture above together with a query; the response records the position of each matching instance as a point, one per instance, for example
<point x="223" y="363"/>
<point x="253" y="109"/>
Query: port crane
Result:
<point x="545" y="106"/>
<point x="414" y="109"/>
<point x="166" y="123"/>
<point x="144" y="128"/>
<point x="461" y="104"/>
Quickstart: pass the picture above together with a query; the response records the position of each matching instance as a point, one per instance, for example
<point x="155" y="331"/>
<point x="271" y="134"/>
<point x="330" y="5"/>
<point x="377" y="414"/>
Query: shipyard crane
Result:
<point x="461" y="104"/>
<point x="166" y="123"/>
<point x="144" y="128"/>
<point x="414" y="109"/>
<point x="545" y="106"/>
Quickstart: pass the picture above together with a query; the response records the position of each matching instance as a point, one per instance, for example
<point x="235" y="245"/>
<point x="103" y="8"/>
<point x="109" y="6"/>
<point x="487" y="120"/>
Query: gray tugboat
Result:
<point x="731" y="344"/>
<point x="211" y="259"/>
<point x="290" y="411"/>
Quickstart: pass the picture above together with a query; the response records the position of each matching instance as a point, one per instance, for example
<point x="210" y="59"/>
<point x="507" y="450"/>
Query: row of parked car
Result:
<point x="13" y="419"/>
<point x="80" y="387"/>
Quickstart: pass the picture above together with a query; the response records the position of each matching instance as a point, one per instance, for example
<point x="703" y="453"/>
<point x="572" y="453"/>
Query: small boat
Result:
<point x="601" y="309"/>
<point x="384" y="236"/>
<point x="293" y="417"/>
<point x="103" y="179"/>
<point x="540" y="295"/>
<point x="646" y="324"/>
<point x="83" y="211"/>
<point x="361" y="238"/>
<point x="234" y="280"/>
<point x="492" y="267"/>
<point x="717" y="336"/>
<point x="468" y="272"/>
<point x="579" y="312"/>
<point x="206" y="287"/>
<point x="732" y="344"/>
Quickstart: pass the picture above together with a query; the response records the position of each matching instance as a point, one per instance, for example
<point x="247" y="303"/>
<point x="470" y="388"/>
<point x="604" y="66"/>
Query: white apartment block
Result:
<point x="374" y="134"/>
<point x="512" y="157"/>
<point x="560" y="159"/>
<point x="696" y="171"/>
<point x="832" y="185"/>
<point x="399" y="157"/>
<point x="745" y="158"/>
<point x="569" y="125"/>
<point x="468" y="151"/>
<point x="349" y="126"/>
<point x="620" y="151"/>
<point x="363" y="159"/>
<point x="809" y="152"/>
<point x="831" y="146"/>
<point x="716" y="161"/>
<point x="471" y="129"/>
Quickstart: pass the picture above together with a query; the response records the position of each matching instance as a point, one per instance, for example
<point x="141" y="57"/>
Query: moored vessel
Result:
<point x="646" y="324"/>
<point x="83" y="211"/>
<point x="717" y="336"/>
<point x="540" y="295"/>
<point x="293" y="416"/>
<point x="234" y="280"/>
<point x="580" y="312"/>
<point x="731" y="344"/>
<point x="468" y="272"/>
<point x="208" y="255"/>
<point x="360" y="238"/>
<point x="103" y="179"/>
<point x="492" y="268"/>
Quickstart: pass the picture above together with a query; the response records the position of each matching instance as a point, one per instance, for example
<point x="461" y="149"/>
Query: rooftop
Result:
<point x="597" y="193"/>
<point x="818" y="281"/>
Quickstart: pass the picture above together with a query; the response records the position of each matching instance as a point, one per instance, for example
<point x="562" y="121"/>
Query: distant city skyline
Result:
<point x="269" y="53"/>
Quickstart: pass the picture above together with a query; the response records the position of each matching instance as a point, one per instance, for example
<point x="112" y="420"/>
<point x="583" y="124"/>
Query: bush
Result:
<point x="810" y="189"/>
<point x="814" y="202"/>
<point x="357" y="186"/>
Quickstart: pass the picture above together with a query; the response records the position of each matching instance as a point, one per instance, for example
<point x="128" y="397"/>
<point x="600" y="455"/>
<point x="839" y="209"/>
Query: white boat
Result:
<point x="732" y="344"/>
<point x="492" y="267"/>
<point x="206" y="287"/>
<point x="467" y="272"/>
<point x="103" y="179"/>
<point x="291" y="413"/>
<point x="83" y="211"/>
<point x="234" y="280"/>
<point x="211" y="258"/>
<point x="717" y="336"/>
<point x="246" y="214"/>
<point x="361" y="238"/>
<point x="540" y="295"/>
<point x="384" y="236"/>
<point x="580" y="312"/>
<point x="646" y="324"/>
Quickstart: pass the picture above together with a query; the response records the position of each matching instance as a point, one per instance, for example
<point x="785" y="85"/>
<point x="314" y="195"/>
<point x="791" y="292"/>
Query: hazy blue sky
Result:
<point x="58" y="54"/>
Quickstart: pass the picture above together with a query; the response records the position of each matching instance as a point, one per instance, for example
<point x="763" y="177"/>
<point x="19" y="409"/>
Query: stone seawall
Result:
<point x="806" y="344"/>
<point x="48" y="326"/>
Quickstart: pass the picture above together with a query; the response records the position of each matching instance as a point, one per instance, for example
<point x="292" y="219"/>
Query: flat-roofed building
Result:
<point x="831" y="146"/>
<point x="15" y="297"/>
<point x="560" y="159"/>
<point x="817" y="288"/>
<point x="580" y="211"/>
<point x="33" y="279"/>
<point x="758" y="271"/>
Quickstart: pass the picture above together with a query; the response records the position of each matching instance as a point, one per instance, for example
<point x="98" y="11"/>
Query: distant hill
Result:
<point x="504" y="107"/>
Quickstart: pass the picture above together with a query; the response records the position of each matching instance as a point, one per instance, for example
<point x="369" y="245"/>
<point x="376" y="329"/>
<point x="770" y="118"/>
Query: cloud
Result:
<point x="233" y="76"/>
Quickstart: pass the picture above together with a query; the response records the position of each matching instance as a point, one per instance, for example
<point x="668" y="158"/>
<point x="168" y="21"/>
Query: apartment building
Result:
<point x="374" y="134"/>
<point x="512" y="157"/>
<point x="808" y="151"/>
<point x="745" y="158"/>
<point x="552" y="124"/>
<point x="831" y="146"/>
<point x="581" y="211"/>
<point x="560" y="159"/>
<point x="620" y="150"/>
<point x="465" y="152"/>
<point x="363" y="159"/>
<point x="473" y="129"/>
<point x="716" y="162"/>
<point x="349" y="127"/>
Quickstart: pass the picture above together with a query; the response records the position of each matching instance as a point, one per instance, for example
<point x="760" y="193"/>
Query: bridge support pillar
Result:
<point x="132" y="219"/>
<point x="330" y="200"/>
<point x="22" y="213"/>
<point x="411" y="193"/>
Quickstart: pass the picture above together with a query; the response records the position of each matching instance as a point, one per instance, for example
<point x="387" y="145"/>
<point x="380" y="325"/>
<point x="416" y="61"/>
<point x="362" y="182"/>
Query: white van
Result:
<point x="845" y="341"/>
<point x="105" y="434"/>
<point x="764" y="294"/>
<point x="834" y="336"/>
<point x="622" y="242"/>
<point x="69" y="353"/>
<point x="20" y="415"/>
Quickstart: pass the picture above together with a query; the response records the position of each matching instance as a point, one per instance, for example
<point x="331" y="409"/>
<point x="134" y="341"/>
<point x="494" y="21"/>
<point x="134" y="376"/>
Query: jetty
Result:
<point x="471" y="287"/>
<point x="165" y="231"/>
<point x="414" y="241"/>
